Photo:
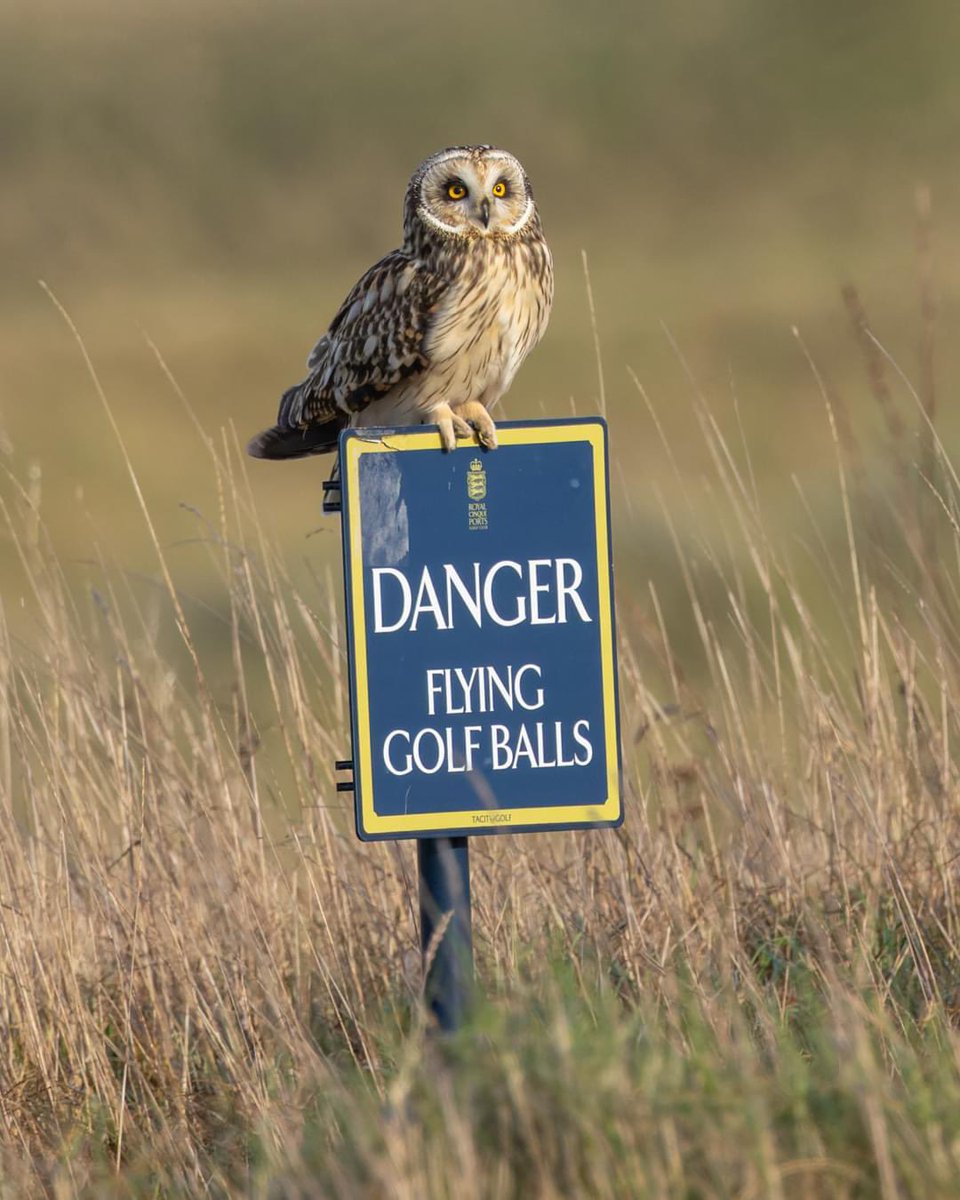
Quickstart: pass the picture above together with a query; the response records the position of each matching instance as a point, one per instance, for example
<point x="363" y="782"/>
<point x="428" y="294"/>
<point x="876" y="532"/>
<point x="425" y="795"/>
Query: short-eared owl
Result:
<point x="435" y="331"/>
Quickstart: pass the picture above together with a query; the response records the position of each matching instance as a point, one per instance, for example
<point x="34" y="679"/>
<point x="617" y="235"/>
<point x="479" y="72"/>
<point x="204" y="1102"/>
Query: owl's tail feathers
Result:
<point x="282" y="442"/>
<point x="278" y="442"/>
<point x="296" y="435"/>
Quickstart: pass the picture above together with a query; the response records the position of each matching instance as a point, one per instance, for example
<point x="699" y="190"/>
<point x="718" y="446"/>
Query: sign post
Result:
<point x="480" y="633"/>
<point x="446" y="940"/>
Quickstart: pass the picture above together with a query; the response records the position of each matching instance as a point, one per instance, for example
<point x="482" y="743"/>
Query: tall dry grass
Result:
<point x="209" y="987"/>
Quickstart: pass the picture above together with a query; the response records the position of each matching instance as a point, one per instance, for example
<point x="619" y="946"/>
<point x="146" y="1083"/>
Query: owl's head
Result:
<point x="470" y="192"/>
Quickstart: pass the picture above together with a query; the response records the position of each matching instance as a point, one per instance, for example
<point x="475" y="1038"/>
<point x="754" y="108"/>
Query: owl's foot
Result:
<point x="474" y="413"/>
<point x="450" y="424"/>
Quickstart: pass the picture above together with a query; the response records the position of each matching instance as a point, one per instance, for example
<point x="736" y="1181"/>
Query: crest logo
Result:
<point x="476" y="494"/>
<point x="476" y="481"/>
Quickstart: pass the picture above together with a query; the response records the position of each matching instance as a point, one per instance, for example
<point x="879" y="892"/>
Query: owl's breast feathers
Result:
<point x="490" y="318"/>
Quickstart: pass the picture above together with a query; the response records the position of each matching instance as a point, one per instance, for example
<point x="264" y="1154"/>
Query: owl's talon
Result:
<point x="451" y="426"/>
<point x="476" y="414"/>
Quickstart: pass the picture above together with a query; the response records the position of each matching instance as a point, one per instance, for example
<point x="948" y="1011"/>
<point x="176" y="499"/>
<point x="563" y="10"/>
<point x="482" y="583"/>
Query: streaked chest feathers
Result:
<point x="490" y="319"/>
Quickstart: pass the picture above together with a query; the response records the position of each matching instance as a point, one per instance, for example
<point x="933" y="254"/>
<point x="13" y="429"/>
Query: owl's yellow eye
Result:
<point x="456" y="190"/>
<point x="500" y="189"/>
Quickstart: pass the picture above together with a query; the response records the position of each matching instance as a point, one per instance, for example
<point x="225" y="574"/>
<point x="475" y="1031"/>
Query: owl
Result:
<point x="434" y="332"/>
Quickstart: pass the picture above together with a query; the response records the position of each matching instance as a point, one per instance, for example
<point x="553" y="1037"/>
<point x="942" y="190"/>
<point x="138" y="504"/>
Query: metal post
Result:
<point x="444" y="865"/>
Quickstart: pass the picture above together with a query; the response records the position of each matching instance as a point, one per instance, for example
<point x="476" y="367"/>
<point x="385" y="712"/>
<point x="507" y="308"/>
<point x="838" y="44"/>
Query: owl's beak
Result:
<point x="485" y="212"/>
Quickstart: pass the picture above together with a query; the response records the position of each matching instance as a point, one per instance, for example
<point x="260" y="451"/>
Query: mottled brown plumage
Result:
<point x="435" y="331"/>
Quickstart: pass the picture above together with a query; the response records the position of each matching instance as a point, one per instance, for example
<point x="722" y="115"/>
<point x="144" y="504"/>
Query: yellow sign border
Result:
<point x="462" y="820"/>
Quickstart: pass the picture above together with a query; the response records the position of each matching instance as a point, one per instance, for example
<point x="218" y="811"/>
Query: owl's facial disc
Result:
<point x="476" y="194"/>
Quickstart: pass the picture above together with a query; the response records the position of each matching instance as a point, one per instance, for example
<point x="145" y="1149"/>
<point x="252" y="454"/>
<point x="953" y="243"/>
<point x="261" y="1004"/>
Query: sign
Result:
<point x="480" y="631"/>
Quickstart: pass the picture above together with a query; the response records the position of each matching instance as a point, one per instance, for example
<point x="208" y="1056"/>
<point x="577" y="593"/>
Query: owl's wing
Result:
<point x="374" y="341"/>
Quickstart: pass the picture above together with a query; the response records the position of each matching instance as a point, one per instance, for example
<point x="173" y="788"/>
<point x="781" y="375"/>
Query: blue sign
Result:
<point x="480" y="631"/>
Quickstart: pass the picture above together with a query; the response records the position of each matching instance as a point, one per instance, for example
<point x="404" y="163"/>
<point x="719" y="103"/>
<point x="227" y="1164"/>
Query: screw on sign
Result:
<point x="480" y="633"/>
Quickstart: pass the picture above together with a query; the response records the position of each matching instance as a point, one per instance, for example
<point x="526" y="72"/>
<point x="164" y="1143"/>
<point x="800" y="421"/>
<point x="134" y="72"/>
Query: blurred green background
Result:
<point x="214" y="176"/>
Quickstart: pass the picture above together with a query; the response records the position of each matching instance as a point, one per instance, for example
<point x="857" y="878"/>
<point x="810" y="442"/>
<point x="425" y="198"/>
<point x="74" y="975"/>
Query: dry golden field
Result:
<point x="208" y="987"/>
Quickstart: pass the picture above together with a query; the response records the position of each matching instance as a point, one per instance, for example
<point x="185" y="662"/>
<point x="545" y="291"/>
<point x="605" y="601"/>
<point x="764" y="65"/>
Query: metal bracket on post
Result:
<point x="446" y="939"/>
<point x="332" y="492"/>
<point x="331" y="495"/>
<point x="344" y="764"/>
